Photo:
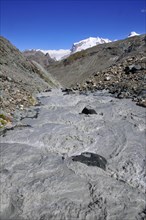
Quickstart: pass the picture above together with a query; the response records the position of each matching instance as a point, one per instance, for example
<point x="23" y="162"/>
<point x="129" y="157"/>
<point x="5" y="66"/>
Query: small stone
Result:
<point x="101" y="113"/>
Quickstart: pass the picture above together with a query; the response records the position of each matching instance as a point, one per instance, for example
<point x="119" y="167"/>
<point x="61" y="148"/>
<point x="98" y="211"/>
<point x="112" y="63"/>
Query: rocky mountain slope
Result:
<point x="41" y="58"/>
<point x="115" y="65"/>
<point x="19" y="78"/>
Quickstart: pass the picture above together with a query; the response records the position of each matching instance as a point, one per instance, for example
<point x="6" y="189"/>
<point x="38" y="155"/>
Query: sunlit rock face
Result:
<point x="57" y="163"/>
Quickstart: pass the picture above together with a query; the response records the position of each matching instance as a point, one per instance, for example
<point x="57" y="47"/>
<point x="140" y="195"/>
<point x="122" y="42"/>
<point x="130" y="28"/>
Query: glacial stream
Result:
<point x="60" y="164"/>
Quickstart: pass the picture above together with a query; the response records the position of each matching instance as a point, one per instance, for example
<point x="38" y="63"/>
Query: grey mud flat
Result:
<point x="39" y="179"/>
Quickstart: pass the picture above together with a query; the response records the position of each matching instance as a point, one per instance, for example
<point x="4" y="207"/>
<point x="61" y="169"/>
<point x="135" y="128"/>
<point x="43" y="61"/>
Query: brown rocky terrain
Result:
<point x="20" y="78"/>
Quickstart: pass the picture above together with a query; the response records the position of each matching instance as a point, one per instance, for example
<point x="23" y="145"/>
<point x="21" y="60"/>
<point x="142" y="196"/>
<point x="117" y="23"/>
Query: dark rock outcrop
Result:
<point x="91" y="159"/>
<point x="88" y="111"/>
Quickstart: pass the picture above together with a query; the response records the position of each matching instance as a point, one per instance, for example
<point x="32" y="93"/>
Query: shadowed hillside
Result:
<point x="19" y="78"/>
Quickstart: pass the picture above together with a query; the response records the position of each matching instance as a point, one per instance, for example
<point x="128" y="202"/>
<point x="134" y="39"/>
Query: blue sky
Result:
<point x="52" y="24"/>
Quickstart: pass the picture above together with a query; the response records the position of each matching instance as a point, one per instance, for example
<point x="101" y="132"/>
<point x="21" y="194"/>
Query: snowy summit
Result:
<point x="87" y="43"/>
<point x="133" y="33"/>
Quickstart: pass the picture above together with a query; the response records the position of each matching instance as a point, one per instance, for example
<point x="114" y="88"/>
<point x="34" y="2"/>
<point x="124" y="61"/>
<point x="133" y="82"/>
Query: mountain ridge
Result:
<point x="77" y="46"/>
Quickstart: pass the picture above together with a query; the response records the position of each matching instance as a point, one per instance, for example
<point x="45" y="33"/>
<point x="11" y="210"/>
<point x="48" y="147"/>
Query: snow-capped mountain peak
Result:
<point x="87" y="43"/>
<point x="78" y="46"/>
<point x="133" y="33"/>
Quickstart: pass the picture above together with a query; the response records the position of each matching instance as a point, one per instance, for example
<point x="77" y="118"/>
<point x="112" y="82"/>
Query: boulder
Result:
<point x="88" y="111"/>
<point x="91" y="159"/>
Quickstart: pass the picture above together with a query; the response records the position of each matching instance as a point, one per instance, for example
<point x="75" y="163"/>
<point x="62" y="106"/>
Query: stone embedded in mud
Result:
<point x="91" y="159"/>
<point x="88" y="111"/>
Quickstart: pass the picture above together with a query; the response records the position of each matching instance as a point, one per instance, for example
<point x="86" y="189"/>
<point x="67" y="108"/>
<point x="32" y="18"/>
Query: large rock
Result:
<point x="91" y="159"/>
<point x="88" y="111"/>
